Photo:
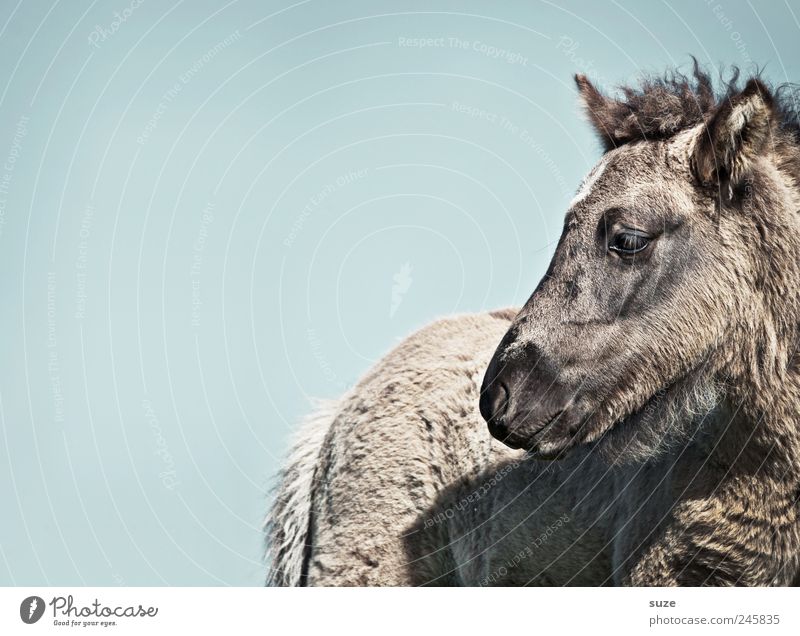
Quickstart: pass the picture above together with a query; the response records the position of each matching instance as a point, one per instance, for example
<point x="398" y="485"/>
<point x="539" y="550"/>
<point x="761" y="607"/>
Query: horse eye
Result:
<point x="628" y="242"/>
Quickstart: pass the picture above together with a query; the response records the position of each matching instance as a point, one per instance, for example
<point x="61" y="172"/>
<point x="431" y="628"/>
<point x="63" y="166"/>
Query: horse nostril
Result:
<point x="494" y="402"/>
<point x="499" y="429"/>
<point x="500" y="401"/>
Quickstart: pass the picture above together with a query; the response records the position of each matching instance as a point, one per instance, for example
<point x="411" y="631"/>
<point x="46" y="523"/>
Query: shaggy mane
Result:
<point x="662" y="106"/>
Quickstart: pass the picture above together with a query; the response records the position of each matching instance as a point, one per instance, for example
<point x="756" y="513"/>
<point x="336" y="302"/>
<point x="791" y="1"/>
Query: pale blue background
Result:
<point x="450" y="213"/>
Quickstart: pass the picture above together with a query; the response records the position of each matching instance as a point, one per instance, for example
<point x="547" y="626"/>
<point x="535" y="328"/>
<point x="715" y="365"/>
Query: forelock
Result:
<point x="660" y="107"/>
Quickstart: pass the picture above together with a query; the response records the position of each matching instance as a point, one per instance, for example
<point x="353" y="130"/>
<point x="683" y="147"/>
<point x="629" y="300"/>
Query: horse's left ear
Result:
<point x="604" y="113"/>
<point x="736" y="134"/>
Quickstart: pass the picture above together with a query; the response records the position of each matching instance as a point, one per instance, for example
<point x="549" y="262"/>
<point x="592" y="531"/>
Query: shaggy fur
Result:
<point x="408" y="431"/>
<point x="668" y="385"/>
<point x="661" y="107"/>
<point x="287" y="527"/>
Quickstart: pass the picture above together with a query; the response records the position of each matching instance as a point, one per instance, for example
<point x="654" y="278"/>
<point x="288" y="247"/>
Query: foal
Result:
<point x="656" y="360"/>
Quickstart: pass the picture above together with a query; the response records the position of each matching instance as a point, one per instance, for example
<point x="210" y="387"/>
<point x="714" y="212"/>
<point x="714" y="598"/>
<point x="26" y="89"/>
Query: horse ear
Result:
<point x="601" y="111"/>
<point x="735" y="135"/>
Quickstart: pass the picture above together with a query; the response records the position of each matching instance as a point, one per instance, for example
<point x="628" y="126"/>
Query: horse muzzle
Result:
<point x="527" y="406"/>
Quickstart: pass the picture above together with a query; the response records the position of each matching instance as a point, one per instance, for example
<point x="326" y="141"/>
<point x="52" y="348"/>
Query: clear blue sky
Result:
<point x="211" y="214"/>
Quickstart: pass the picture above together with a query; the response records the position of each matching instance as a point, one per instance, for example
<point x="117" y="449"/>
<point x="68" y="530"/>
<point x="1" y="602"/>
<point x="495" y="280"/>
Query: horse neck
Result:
<point x="758" y="427"/>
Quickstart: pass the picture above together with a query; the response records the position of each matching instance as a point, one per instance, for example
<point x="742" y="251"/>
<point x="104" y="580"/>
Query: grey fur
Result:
<point x="288" y="523"/>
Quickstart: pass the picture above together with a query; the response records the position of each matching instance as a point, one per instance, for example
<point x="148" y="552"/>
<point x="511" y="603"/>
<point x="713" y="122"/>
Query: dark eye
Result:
<point x="629" y="242"/>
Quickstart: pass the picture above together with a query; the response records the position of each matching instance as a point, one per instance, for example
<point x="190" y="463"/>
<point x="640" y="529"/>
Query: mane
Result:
<point x="661" y="106"/>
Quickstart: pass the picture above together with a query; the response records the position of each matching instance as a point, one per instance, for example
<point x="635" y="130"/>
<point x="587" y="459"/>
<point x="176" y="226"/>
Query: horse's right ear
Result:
<point x="737" y="132"/>
<point x="603" y="112"/>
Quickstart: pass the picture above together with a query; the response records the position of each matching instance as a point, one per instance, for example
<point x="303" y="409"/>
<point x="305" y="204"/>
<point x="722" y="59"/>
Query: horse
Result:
<point x="643" y="406"/>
